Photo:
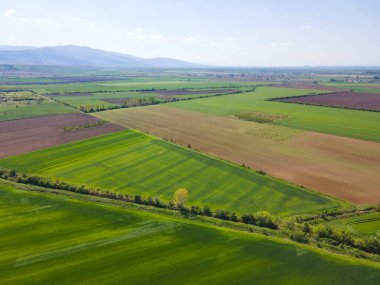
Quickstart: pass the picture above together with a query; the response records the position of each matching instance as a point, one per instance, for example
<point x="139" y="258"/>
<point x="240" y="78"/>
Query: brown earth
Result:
<point x="342" y="167"/>
<point x="191" y="92"/>
<point x="351" y="100"/>
<point x="25" y="135"/>
<point x="308" y="86"/>
<point x="370" y="86"/>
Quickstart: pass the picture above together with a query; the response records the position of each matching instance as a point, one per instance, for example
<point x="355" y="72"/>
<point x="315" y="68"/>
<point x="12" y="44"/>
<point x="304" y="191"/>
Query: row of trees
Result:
<point x="320" y="234"/>
<point x="296" y="230"/>
<point x="262" y="219"/>
<point x="84" y="126"/>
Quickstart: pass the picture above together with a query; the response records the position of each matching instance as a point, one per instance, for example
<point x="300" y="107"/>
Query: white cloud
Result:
<point x="157" y="37"/>
<point x="271" y="45"/>
<point x="9" y="12"/>
<point x="305" y="27"/>
<point x="83" y="21"/>
<point x="141" y="35"/>
<point x="192" y="40"/>
<point x="43" y="21"/>
<point x="231" y="39"/>
<point x="285" y="44"/>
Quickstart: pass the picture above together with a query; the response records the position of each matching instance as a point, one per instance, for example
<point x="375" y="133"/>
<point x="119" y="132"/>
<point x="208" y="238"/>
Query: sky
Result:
<point x="214" y="32"/>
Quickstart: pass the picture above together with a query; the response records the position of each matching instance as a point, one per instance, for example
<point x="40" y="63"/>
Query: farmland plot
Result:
<point x="343" y="122"/>
<point x="41" y="244"/>
<point x="349" y="100"/>
<point x="135" y="163"/>
<point x="342" y="167"/>
<point x="24" y="135"/>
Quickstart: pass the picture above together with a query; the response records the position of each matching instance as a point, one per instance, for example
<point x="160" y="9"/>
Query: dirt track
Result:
<point x="342" y="167"/>
<point x="25" y="135"/>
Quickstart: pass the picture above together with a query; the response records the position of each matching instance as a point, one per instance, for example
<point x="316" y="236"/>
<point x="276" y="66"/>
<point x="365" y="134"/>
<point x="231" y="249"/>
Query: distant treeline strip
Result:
<point x="262" y="219"/>
<point x="84" y="126"/>
<point x="137" y="102"/>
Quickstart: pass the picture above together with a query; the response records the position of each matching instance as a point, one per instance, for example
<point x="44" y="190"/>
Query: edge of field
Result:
<point x="172" y="215"/>
<point x="339" y="202"/>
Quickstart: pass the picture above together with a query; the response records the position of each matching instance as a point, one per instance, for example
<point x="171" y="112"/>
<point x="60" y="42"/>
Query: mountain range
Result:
<point x="70" y="55"/>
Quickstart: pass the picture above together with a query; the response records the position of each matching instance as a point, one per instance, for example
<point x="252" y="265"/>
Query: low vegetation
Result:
<point x="132" y="162"/>
<point x="84" y="126"/>
<point x="260" y="117"/>
<point x="125" y="241"/>
<point x="342" y="122"/>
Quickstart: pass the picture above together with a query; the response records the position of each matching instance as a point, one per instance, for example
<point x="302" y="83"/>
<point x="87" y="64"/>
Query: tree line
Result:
<point x="305" y="229"/>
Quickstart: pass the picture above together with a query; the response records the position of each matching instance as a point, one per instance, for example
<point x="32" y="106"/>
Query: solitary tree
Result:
<point x="180" y="197"/>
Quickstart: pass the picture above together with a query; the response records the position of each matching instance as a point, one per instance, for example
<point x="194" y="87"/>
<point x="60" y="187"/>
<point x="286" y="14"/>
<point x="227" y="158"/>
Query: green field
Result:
<point x="99" y="99"/>
<point x="12" y="111"/>
<point x="126" y="89"/>
<point x="135" y="163"/>
<point x="50" y="239"/>
<point x="343" y="122"/>
<point x="134" y="84"/>
<point x="361" y="226"/>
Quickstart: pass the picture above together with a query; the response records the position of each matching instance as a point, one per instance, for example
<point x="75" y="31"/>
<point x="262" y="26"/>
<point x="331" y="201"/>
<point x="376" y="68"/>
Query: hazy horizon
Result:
<point x="222" y="33"/>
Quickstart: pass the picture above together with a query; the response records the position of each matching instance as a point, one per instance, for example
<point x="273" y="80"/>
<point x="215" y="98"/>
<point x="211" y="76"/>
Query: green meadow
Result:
<point x="52" y="239"/>
<point x="135" y="84"/>
<point x="343" y="122"/>
<point x="135" y="163"/>
<point x="97" y="99"/>
<point x="361" y="226"/>
<point x="12" y="111"/>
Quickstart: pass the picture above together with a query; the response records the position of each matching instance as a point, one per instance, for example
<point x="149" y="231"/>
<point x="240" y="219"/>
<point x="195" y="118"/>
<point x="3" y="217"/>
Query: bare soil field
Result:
<point x="25" y="135"/>
<point x="341" y="167"/>
<point x="308" y="86"/>
<point x="350" y="100"/>
<point x="191" y="92"/>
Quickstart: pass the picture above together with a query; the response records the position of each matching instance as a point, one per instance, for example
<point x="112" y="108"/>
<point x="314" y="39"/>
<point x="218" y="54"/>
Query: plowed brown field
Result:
<point x="24" y="135"/>
<point x="342" y="167"/>
<point x="308" y="87"/>
<point x="351" y="100"/>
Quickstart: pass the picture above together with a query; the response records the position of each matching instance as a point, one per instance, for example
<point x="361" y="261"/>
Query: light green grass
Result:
<point x="128" y="85"/>
<point x="350" y="123"/>
<point x="9" y="111"/>
<point x="134" y="163"/>
<point x="48" y="239"/>
<point x="123" y="89"/>
<point x="362" y="226"/>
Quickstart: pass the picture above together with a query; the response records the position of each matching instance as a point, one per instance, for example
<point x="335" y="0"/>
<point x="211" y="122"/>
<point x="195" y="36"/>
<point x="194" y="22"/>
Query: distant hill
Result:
<point x="83" y="56"/>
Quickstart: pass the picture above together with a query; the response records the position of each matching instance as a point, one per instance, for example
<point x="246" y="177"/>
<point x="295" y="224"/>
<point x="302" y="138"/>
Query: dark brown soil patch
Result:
<point x="350" y="100"/>
<point x="308" y="86"/>
<point x="25" y="135"/>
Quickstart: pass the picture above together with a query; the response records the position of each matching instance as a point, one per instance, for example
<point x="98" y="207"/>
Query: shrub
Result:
<point x="207" y="211"/>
